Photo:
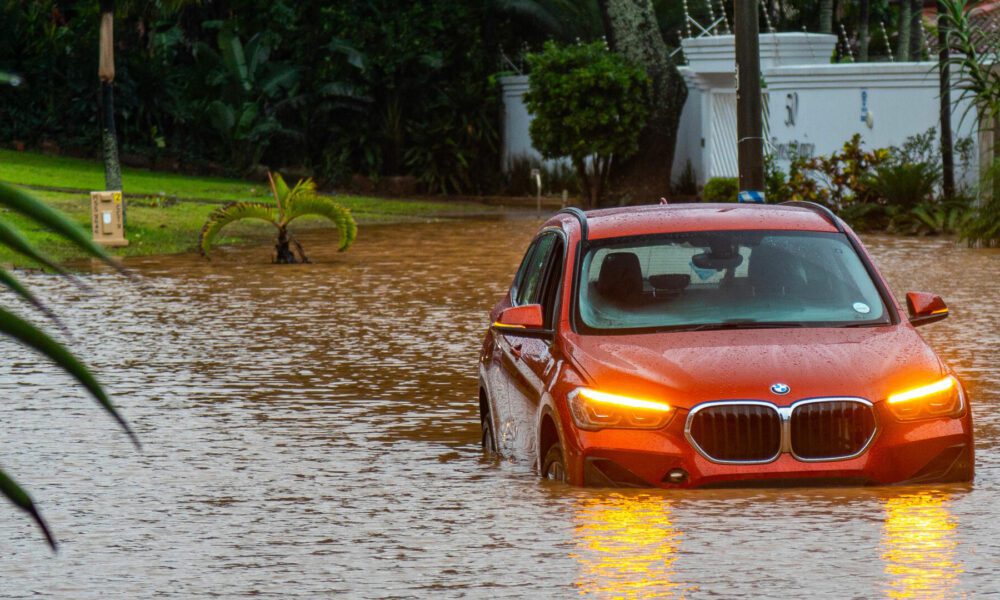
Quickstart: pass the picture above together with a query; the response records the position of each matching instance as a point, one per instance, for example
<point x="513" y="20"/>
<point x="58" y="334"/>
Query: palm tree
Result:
<point x="106" y="73"/>
<point x="865" y="16"/>
<point x="289" y="204"/>
<point x="13" y="326"/>
<point x="826" y="16"/>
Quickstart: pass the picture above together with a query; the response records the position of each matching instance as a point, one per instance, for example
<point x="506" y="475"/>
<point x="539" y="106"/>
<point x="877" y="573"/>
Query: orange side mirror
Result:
<point x="528" y="316"/>
<point x="925" y="308"/>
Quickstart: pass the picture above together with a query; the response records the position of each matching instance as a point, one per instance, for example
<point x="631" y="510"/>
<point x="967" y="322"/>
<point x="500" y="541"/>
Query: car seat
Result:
<point x="620" y="279"/>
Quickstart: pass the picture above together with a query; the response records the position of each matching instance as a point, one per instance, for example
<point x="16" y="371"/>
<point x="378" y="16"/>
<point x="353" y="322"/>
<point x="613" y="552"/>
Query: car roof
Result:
<point x="670" y="218"/>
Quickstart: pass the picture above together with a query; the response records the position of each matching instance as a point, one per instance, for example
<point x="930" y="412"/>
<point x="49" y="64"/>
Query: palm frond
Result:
<point x="21" y="499"/>
<point x="33" y="337"/>
<point x="13" y="239"/>
<point x="233" y="211"/>
<point x="44" y="215"/>
<point x="324" y="207"/>
<point x="10" y="282"/>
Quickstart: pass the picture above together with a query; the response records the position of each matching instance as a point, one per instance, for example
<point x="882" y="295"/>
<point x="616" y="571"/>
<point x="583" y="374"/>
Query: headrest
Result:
<point x="775" y="268"/>
<point x="620" y="279"/>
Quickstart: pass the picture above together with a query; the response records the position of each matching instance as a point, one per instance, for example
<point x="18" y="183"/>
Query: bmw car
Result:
<point x="710" y="345"/>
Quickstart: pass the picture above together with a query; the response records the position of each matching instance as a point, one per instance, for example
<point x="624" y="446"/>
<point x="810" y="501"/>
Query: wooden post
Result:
<point x="749" y="117"/>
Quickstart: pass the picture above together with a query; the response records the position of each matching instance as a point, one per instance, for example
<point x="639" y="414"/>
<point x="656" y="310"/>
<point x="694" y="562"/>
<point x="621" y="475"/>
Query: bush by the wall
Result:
<point x="589" y="104"/>
<point x="721" y="189"/>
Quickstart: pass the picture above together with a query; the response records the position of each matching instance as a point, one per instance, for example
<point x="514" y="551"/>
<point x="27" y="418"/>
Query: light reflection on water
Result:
<point x="311" y="431"/>
<point x="626" y="546"/>
<point x="920" y="546"/>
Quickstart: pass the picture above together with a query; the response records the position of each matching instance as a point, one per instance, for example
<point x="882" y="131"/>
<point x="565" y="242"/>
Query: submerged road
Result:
<point x="312" y="431"/>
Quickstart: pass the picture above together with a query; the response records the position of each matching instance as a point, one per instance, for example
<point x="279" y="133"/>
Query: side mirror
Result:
<point x="528" y="317"/>
<point x="925" y="308"/>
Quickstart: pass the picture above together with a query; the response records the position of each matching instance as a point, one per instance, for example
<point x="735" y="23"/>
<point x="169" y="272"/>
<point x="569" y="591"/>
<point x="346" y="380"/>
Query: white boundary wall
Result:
<point x="811" y="103"/>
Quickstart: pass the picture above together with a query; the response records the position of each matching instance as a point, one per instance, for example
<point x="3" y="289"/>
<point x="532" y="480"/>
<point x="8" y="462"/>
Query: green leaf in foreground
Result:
<point x="19" y="201"/>
<point x="21" y="499"/>
<point x="29" y="335"/>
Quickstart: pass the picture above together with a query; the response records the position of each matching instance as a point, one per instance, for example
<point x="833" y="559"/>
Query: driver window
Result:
<point x="531" y="280"/>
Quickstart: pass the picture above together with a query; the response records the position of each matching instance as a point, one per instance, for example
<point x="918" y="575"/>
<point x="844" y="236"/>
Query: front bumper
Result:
<point x="933" y="450"/>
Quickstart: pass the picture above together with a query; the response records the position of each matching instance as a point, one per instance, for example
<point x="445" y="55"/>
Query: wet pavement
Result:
<point x="312" y="431"/>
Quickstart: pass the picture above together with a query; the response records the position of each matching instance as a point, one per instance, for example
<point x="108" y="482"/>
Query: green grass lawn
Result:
<point x="169" y="218"/>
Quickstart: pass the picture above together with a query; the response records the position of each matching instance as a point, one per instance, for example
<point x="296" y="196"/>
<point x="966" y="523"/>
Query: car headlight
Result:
<point x="594" y="410"/>
<point x="943" y="398"/>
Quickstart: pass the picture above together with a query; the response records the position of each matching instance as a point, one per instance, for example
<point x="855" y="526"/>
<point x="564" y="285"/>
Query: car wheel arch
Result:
<point x="549" y="433"/>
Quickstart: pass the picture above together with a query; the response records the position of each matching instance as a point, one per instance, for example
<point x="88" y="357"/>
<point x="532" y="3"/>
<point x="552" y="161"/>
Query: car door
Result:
<point x="525" y="359"/>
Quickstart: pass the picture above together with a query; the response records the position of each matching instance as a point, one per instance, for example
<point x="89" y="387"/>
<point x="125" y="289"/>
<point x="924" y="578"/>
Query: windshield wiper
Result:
<point x="744" y="324"/>
<point x="867" y="324"/>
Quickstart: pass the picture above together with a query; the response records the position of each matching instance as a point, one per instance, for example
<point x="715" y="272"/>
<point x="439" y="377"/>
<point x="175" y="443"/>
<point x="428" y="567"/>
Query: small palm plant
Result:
<point x="13" y="326"/>
<point x="289" y="204"/>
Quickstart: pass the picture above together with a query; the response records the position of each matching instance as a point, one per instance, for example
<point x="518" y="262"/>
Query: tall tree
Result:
<point x="864" y="10"/>
<point x="632" y="31"/>
<point x="916" y="29"/>
<point x="825" y="16"/>
<point x="106" y="74"/>
<point x="903" y="38"/>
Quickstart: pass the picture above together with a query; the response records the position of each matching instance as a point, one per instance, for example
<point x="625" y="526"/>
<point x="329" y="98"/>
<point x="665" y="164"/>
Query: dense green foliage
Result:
<point x="974" y="50"/>
<point x="13" y="326"/>
<point x="588" y="105"/>
<point x="376" y="88"/>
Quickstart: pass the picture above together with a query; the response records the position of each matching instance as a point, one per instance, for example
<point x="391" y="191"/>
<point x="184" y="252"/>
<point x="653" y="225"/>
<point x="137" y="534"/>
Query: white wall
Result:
<point x="811" y="102"/>
<point x="516" y="119"/>
<point x="822" y="106"/>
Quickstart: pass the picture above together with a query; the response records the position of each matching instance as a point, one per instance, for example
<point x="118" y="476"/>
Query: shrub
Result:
<point x="904" y="184"/>
<point x="839" y="179"/>
<point x="588" y="104"/>
<point x="983" y="226"/>
<point x="721" y="189"/>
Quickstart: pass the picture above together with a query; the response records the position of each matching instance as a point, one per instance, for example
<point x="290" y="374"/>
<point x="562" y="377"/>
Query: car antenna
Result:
<point x="581" y="217"/>
<point x="823" y="211"/>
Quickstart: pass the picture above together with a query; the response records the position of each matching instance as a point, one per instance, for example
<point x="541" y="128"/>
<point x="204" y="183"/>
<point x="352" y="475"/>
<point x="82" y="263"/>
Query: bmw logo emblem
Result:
<point x="780" y="388"/>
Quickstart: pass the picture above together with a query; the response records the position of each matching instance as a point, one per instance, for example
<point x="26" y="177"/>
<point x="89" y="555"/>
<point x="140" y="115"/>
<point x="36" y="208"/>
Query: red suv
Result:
<point x="717" y="345"/>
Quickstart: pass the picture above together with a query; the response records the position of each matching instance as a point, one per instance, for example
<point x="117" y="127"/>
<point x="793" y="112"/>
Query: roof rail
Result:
<point x="580" y="216"/>
<point x="823" y="211"/>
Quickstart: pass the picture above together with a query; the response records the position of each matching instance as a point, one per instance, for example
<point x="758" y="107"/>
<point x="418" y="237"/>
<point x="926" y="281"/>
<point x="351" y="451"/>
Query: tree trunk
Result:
<point x="106" y="74"/>
<point x="283" y="254"/>
<point x="825" y="16"/>
<point x="634" y="33"/>
<point x="863" y="37"/>
<point x="916" y="31"/>
<point x="903" y="32"/>
<point x="944" y="72"/>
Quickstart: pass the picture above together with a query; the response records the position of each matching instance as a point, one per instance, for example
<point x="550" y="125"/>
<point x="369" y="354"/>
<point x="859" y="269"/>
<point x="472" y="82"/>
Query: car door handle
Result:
<point x="516" y="350"/>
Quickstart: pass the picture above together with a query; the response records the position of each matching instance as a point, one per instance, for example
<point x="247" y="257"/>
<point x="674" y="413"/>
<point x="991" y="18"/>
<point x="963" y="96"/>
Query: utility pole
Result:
<point x="749" y="109"/>
<point x="947" y="158"/>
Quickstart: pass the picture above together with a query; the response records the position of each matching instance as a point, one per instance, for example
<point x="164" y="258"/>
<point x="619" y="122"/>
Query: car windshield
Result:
<point x="726" y="279"/>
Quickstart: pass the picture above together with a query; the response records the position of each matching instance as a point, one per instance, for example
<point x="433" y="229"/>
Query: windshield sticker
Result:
<point x="862" y="308"/>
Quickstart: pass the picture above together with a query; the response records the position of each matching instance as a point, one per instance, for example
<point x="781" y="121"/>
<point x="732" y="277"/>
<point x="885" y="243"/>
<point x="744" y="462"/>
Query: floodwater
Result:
<point x="312" y="431"/>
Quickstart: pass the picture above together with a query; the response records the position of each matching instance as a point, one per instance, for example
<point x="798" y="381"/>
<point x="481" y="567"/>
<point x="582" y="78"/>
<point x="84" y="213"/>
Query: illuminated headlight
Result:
<point x="943" y="398"/>
<point x="593" y="410"/>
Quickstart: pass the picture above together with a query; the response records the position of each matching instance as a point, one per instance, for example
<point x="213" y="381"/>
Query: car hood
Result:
<point x="692" y="367"/>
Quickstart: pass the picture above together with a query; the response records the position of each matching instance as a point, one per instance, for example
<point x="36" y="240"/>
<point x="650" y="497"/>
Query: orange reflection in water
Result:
<point x="920" y="548"/>
<point x="626" y="547"/>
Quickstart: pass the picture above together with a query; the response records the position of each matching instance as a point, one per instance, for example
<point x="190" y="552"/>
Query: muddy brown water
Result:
<point x="311" y="431"/>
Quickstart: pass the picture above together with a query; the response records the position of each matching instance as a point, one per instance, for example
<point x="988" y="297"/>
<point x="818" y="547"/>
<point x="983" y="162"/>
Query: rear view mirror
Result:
<point x="925" y="308"/>
<point x="528" y="316"/>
